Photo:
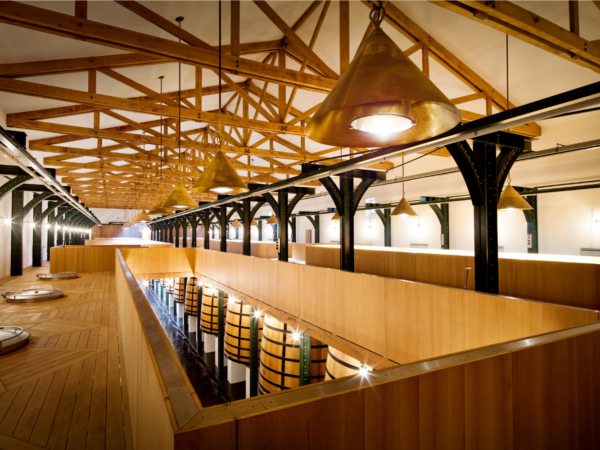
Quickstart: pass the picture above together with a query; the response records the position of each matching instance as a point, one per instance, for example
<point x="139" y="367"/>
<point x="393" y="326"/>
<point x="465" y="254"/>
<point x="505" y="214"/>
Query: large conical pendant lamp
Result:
<point x="158" y="208"/>
<point x="403" y="209"/>
<point x="220" y="177"/>
<point x="511" y="199"/>
<point x="179" y="198"/>
<point x="381" y="99"/>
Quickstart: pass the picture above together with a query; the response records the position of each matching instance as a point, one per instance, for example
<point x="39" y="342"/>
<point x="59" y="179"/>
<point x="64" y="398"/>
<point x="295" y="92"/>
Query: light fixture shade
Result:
<point x="254" y="223"/>
<point x="273" y="220"/>
<point x="220" y="178"/>
<point x="336" y="217"/>
<point x="403" y="209"/>
<point x="511" y="199"/>
<point x="142" y="217"/>
<point x="237" y="224"/>
<point x="159" y="209"/>
<point x="382" y="81"/>
<point x="179" y="198"/>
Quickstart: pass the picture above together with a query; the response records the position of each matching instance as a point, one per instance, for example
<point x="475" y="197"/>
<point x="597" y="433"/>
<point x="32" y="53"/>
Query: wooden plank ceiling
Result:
<point x="127" y="166"/>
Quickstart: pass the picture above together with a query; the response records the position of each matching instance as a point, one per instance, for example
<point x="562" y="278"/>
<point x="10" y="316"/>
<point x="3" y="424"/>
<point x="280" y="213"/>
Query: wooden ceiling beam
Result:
<point x="522" y="24"/>
<point x="44" y="20"/>
<point x="73" y="96"/>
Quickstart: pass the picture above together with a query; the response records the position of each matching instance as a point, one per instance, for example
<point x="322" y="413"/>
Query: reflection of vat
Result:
<point x="32" y="295"/>
<point x="57" y="276"/>
<point x="12" y="338"/>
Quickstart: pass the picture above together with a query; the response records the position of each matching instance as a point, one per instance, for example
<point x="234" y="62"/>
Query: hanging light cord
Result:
<point x="220" y="68"/>
<point x="162" y="149"/>
<point x="403" y="193"/>
<point x="179" y="123"/>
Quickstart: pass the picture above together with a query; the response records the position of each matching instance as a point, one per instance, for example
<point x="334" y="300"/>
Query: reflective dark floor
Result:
<point x="212" y="388"/>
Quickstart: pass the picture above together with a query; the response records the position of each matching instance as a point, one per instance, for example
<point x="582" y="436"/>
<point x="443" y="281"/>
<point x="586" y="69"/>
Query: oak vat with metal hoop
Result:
<point x="209" y="311"/>
<point x="191" y="297"/>
<point x="280" y="358"/>
<point x="179" y="296"/>
<point x="340" y="365"/>
<point x="237" y="331"/>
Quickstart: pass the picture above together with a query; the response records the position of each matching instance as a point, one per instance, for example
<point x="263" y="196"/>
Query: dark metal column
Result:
<point x="317" y="225"/>
<point x="531" y="216"/>
<point x="194" y="224"/>
<point x="442" y="212"/>
<point x="50" y="237"/>
<point x="176" y="231"/>
<point x="387" y="225"/>
<point x="246" y="221"/>
<point x="486" y="222"/>
<point x="221" y="335"/>
<point x="254" y="352"/>
<point x="347" y="224"/>
<point x="36" y="249"/>
<point x="206" y="222"/>
<point x="260" y="224"/>
<point x="282" y="200"/>
<point x="16" y="234"/>
<point x="224" y="229"/>
<point x="293" y="225"/>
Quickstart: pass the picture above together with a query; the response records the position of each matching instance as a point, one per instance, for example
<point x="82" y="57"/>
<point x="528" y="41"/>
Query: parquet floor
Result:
<point x="66" y="389"/>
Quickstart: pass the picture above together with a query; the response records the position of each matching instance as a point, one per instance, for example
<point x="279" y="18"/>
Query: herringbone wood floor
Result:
<point x="66" y="389"/>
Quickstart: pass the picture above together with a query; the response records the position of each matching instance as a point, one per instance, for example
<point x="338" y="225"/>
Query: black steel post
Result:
<point x="347" y="224"/>
<point x="36" y="248"/>
<point x="442" y="212"/>
<point x="16" y="234"/>
<point x="184" y="227"/>
<point x="532" y="224"/>
<point x="282" y="200"/>
<point x="305" y="359"/>
<point x="293" y="226"/>
<point x="254" y="351"/>
<point x="486" y="222"/>
<point x="317" y="229"/>
<point x="176" y="231"/>
<point x="50" y="236"/>
<point x="246" y="221"/>
<point x="194" y="223"/>
<point x="224" y="227"/>
<point x="387" y="225"/>
<point x="260" y="224"/>
<point x="221" y="335"/>
<point x="206" y="229"/>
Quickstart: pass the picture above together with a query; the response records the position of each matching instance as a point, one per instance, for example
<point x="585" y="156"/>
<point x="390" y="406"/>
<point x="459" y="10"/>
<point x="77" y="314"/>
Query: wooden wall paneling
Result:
<point x="358" y="309"/>
<point x="309" y="293"/>
<point x="444" y="270"/>
<point x="111" y="231"/>
<point x="287" y="288"/>
<point x="298" y="251"/>
<point x="148" y="400"/>
<point x="403" y="266"/>
<point x="374" y="263"/>
<point x="323" y="256"/>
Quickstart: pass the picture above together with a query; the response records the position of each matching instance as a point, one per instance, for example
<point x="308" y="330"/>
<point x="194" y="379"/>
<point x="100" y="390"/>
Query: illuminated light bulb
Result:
<point x="7" y="221"/>
<point x="363" y="372"/>
<point x="296" y="336"/>
<point x="382" y="124"/>
<point x="32" y="225"/>
<point x="257" y="314"/>
<point x="145" y="283"/>
<point x="221" y="190"/>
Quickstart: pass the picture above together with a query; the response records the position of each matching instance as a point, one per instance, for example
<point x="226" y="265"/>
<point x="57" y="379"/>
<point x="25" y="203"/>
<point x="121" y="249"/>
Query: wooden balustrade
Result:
<point x="564" y="280"/>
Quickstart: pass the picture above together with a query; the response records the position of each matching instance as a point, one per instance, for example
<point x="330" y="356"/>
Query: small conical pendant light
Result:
<point x="179" y="198"/>
<point x="512" y="200"/>
<point x="273" y="220"/>
<point x="220" y="177"/>
<point x="143" y="217"/>
<point x="381" y="99"/>
<point x="254" y="223"/>
<point x="237" y="224"/>
<point x="403" y="209"/>
<point x="336" y="217"/>
<point x="158" y="208"/>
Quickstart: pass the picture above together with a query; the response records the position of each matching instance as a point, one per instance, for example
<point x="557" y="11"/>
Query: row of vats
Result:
<point x="279" y="356"/>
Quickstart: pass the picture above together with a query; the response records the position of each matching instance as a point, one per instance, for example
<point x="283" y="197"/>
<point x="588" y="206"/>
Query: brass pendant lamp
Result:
<point x="273" y="220"/>
<point x="179" y="198"/>
<point x="237" y="224"/>
<point x="143" y="217"/>
<point x="336" y="217"/>
<point x="403" y="209"/>
<point x="220" y="176"/>
<point x="254" y="223"/>
<point x="510" y="199"/>
<point x="381" y="99"/>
